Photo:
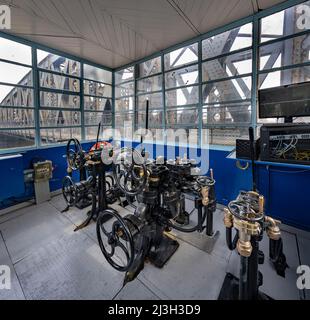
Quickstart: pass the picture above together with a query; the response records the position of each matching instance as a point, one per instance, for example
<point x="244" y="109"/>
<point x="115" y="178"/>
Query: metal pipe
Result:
<point x="243" y="279"/>
<point x="209" y="215"/>
<point x="231" y="244"/>
<point x="253" y="271"/>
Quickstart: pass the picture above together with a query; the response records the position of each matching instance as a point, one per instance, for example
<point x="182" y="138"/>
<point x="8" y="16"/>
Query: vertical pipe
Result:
<point x="36" y="88"/>
<point x="253" y="271"/>
<point x="82" y="102"/>
<point x="163" y="98"/>
<point x="200" y="222"/>
<point x="200" y="126"/>
<point x="255" y="66"/>
<point x="243" y="279"/>
<point x="209" y="215"/>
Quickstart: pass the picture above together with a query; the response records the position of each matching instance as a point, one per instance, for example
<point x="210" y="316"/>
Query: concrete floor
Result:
<point x="50" y="261"/>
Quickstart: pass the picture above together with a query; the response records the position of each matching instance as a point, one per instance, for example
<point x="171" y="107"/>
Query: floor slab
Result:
<point x="68" y="268"/>
<point x="38" y="225"/>
<point x="15" y="293"/>
<point x="189" y="274"/>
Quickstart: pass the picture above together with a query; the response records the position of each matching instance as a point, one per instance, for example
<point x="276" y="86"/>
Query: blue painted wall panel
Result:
<point x="12" y="177"/>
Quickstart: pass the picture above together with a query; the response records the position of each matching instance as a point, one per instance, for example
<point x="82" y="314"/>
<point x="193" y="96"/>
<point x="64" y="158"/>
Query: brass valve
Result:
<point x="261" y="204"/>
<point x="205" y="195"/>
<point x="228" y="218"/>
<point x="273" y="231"/>
<point x="247" y="227"/>
<point x="244" y="248"/>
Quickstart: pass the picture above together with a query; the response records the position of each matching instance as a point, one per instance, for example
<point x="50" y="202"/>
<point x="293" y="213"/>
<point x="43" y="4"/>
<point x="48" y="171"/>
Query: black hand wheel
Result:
<point x="118" y="242"/>
<point x="75" y="154"/>
<point x="205" y="181"/>
<point x="129" y="171"/>
<point x="69" y="191"/>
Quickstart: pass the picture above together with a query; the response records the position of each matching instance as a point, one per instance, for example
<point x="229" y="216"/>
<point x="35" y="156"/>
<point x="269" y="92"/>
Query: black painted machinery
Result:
<point x="159" y="188"/>
<point x="95" y="188"/>
<point x="247" y="216"/>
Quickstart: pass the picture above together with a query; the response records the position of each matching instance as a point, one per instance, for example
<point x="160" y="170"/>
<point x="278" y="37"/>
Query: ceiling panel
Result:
<point x="117" y="32"/>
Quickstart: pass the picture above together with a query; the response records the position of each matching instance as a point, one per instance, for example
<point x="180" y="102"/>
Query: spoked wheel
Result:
<point x="205" y="181"/>
<point x="75" y="154"/>
<point x="129" y="171"/>
<point x="117" y="245"/>
<point x="69" y="191"/>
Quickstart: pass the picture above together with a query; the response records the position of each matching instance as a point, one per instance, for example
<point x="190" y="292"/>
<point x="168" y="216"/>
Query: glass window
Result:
<point x="53" y="62"/>
<point x="182" y="136"/>
<point x="155" y="119"/>
<point x="16" y="117"/>
<point x="54" y="81"/>
<point x="91" y="133"/>
<point x="228" y="90"/>
<point x="149" y="84"/>
<point x="289" y="21"/>
<point x="228" y="66"/>
<point x="228" y="41"/>
<point x="181" y="97"/>
<point x="155" y="101"/>
<point x="125" y="89"/>
<point x="94" y="118"/>
<point x="59" y="100"/>
<point x="59" y="118"/>
<point x="14" y="51"/>
<point x="97" y="74"/>
<point x="124" y="75"/>
<point x="226" y="136"/>
<point x="125" y="104"/>
<point x="180" y="116"/>
<point x="16" y="96"/>
<point x="150" y="67"/>
<point x="10" y="139"/>
<point x="181" y="77"/>
<point x="124" y="119"/>
<point x="284" y="77"/>
<point x="227" y="113"/>
<point x="98" y="89"/>
<point x="15" y="74"/>
<point x="284" y="53"/>
<point x="180" y="57"/>
<point x="97" y="104"/>
<point x="59" y="135"/>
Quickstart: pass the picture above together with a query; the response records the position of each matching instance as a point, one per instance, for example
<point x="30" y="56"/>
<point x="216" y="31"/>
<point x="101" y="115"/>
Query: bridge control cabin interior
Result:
<point x="213" y="96"/>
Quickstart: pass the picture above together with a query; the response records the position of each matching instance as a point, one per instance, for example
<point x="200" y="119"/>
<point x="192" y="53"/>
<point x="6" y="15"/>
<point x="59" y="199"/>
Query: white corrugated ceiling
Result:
<point x="117" y="32"/>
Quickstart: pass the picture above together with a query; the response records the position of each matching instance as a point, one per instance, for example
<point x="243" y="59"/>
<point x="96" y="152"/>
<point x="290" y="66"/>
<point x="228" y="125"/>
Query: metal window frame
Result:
<point x="255" y="19"/>
<point x="256" y="44"/>
<point x="35" y="69"/>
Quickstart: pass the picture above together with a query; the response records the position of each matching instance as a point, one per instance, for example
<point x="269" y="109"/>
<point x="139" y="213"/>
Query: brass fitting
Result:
<point x="247" y="227"/>
<point x="254" y="193"/>
<point x="244" y="248"/>
<point x="273" y="231"/>
<point x="261" y="204"/>
<point x="205" y="195"/>
<point x="228" y="218"/>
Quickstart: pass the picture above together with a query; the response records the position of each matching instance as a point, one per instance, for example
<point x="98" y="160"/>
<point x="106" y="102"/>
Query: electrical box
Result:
<point x="42" y="174"/>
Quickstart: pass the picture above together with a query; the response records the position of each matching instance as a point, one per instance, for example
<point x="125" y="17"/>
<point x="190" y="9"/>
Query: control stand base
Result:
<point x="164" y="252"/>
<point x="230" y="289"/>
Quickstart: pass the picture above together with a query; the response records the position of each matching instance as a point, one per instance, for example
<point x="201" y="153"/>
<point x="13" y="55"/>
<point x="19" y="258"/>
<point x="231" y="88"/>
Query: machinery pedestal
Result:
<point x="164" y="252"/>
<point x="84" y="203"/>
<point x="230" y="289"/>
<point x="199" y="240"/>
